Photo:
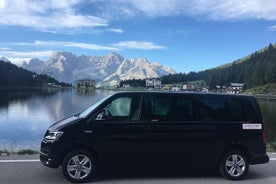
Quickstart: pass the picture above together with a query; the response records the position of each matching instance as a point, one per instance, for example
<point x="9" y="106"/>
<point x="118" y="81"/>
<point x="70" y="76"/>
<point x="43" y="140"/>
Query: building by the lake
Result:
<point x="153" y="83"/>
<point x="85" y="83"/>
<point x="235" y="88"/>
<point x="188" y="87"/>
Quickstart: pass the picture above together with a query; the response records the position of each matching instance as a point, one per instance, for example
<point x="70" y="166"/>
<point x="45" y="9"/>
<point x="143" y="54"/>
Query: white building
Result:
<point x="188" y="87"/>
<point x="235" y="88"/>
<point x="153" y="83"/>
<point x="175" y="88"/>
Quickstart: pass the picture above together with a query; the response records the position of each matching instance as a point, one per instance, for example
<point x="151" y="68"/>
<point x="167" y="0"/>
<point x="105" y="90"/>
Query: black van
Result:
<point x="219" y="130"/>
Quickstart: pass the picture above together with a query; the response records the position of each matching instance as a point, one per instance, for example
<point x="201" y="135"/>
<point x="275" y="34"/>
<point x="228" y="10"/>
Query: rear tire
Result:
<point x="79" y="166"/>
<point x="234" y="165"/>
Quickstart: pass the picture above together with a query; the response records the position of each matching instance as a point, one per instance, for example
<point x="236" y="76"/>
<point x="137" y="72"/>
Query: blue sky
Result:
<point x="187" y="35"/>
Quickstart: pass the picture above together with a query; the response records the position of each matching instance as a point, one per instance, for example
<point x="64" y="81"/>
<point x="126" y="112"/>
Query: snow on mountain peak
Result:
<point x="4" y="59"/>
<point x="67" y="67"/>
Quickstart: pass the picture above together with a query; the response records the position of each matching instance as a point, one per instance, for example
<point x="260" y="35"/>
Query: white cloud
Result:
<point x="272" y="28"/>
<point x="138" y="45"/>
<point x="18" y="57"/>
<point x="90" y="46"/>
<point x="4" y="48"/>
<point x="66" y="15"/>
<point x="238" y="10"/>
<point x="204" y="9"/>
<point x="2" y="4"/>
<point x="32" y="54"/>
<point x="73" y="44"/>
<point x="18" y="61"/>
<point x="114" y="47"/>
<point x="47" y="15"/>
<point x="48" y="47"/>
<point x="116" y="30"/>
<point x="60" y="45"/>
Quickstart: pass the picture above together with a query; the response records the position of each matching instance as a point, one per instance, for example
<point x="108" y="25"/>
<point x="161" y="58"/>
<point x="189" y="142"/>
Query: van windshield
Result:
<point x="85" y="113"/>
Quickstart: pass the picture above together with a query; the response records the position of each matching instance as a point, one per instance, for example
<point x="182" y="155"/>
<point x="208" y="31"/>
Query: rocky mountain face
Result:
<point x="3" y="59"/>
<point x="106" y="70"/>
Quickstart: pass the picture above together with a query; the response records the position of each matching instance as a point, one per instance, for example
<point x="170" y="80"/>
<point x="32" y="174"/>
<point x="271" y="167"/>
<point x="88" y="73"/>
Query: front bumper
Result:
<point x="48" y="160"/>
<point x="49" y="155"/>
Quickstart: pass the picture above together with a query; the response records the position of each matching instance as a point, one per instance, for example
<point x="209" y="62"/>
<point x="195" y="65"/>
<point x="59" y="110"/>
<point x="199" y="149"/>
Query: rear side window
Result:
<point x="253" y="109"/>
<point x="168" y="108"/>
<point x="221" y="109"/>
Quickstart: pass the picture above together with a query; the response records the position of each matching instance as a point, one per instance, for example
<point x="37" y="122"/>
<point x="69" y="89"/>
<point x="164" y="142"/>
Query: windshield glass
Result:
<point x="92" y="107"/>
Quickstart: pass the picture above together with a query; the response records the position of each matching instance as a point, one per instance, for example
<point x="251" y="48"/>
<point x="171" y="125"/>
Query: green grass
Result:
<point x="20" y="152"/>
<point x="266" y="89"/>
<point x="271" y="147"/>
<point x="4" y="152"/>
<point x="27" y="152"/>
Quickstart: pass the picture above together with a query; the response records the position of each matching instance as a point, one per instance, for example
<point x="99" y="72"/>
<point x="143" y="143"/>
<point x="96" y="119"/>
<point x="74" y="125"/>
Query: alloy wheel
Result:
<point x="79" y="167"/>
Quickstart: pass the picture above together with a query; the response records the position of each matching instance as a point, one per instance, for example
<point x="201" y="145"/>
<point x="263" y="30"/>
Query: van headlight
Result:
<point x="52" y="137"/>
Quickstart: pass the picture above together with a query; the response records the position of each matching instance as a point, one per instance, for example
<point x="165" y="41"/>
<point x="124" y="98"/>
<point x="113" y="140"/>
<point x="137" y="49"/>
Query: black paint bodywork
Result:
<point x="193" y="142"/>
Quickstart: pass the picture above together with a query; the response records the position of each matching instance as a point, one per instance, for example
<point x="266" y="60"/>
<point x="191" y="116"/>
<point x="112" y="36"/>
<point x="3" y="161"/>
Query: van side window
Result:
<point x="253" y="111"/>
<point x="166" y="108"/>
<point x="120" y="109"/>
<point x="221" y="109"/>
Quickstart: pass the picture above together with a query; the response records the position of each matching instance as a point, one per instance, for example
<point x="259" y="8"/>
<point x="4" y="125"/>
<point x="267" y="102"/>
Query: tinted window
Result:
<point x="253" y="110"/>
<point x="167" y="108"/>
<point x="120" y="107"/>
<point x="123" y="108"/>
<point x="221" y="109"/>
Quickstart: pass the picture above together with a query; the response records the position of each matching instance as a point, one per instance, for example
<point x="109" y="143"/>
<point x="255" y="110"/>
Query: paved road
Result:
<point x="27" y="169"/>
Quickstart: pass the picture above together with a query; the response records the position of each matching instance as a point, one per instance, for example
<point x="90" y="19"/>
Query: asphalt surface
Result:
<point x="17" y="169"/>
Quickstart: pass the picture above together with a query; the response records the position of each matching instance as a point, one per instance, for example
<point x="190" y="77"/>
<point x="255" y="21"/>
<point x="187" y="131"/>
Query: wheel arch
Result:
<point x="237" y="147"/>
<point x="78" y="147"/>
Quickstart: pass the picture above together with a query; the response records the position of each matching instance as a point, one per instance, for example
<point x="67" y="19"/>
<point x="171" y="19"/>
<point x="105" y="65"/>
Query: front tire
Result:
<point x="234" y="165"/>
<point x="79" y="166"/>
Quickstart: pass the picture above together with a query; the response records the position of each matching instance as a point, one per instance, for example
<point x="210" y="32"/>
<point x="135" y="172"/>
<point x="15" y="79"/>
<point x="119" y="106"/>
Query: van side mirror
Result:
<point x="105" y="114"/>
<point x="101" y="116"/>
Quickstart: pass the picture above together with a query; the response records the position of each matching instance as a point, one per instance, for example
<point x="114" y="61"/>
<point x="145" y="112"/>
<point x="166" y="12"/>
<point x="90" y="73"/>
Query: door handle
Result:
<point x="88" y="131"/>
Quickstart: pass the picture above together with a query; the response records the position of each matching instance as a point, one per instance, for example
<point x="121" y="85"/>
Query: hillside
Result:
<point x="257" y="69"/>
<point x="13" y="76"/>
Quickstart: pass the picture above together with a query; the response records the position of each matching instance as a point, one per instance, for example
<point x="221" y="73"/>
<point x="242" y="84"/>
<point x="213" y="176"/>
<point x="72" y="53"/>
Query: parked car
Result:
<point x="219" y="130"/>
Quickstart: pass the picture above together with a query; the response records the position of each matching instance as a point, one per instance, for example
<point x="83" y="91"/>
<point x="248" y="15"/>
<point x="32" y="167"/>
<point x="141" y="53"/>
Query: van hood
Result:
<point x="63" y="123"/>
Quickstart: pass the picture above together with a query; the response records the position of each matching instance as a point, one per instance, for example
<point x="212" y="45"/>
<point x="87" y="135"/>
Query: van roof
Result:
<point x="182" y="92"/>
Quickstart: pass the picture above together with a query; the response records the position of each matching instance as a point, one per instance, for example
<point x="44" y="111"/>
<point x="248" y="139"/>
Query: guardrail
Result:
<point x="265" y="96"/>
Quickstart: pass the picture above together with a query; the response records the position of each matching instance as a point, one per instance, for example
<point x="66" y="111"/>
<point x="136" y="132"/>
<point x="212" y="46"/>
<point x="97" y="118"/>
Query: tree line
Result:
<point x="133" y="83"/>
<point x="13" y="76"/>
<point x="256" y="70"/>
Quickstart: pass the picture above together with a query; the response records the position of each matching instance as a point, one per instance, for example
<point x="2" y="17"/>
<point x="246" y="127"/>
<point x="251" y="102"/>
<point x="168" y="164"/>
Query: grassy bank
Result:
<point x="270" y="148"/>
<point x="20" y="152"/>
<point x="266" y="89"/>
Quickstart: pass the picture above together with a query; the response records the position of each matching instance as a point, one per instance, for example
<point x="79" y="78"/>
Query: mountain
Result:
<point x="105" y="70"/>
<point x="13" y="76"/>
<point x="35" y="65"/>
<point x="3" y="59"/>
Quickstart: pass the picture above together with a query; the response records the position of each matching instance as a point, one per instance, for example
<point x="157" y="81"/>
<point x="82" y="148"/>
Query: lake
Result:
<point x="26" y="114"/>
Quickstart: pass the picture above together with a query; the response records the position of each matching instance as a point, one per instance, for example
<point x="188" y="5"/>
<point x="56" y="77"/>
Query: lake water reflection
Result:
<point x="268" y="108"/>
<point x="26" y="114"/>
